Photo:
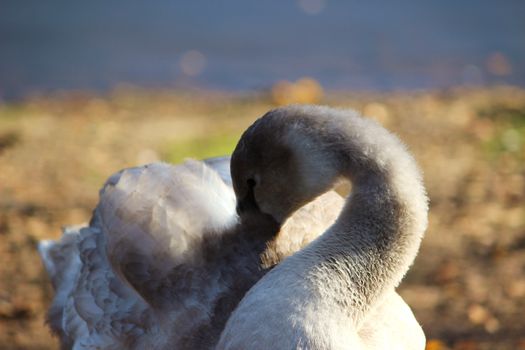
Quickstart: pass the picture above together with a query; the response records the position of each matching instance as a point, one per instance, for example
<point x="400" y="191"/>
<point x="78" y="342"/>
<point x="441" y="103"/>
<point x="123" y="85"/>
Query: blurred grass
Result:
<point x="467" y="286"/>
<point x="509" y="135"/>
<point x="213" y="145"/>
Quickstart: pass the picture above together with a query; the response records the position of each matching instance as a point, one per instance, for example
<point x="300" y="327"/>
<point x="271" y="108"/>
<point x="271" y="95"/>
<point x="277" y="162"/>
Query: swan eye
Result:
<point x="251" y="183"/>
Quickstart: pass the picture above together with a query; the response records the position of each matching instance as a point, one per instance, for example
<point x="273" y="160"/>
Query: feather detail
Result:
<point x="149" y="220"/>
<point x="155" y="217"/>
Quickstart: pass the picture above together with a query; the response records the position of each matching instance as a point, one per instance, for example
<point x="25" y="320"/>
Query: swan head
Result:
<point x="278" y="165"/>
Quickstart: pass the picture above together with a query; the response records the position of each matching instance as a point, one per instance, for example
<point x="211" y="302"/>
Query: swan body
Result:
<point x="337" y="292"/>
<point x="165" y="258"/>
<point x="391" y="325"/>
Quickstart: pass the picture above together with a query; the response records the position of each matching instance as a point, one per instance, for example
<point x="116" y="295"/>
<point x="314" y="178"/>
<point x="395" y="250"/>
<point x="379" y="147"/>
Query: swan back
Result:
<point x="157" y="216"/>
<point x="107" y="275"/>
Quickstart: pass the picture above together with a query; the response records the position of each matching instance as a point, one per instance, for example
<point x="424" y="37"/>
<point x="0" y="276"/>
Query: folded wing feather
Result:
<point x="147" y="221"/>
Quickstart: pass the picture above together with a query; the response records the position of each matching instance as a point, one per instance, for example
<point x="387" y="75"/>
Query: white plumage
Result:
<point x="165" y="258"/>
<point x="148" y="222"/>
<point x="338" y="292"/>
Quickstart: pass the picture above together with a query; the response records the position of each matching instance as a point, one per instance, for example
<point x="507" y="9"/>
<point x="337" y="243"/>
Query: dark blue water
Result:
<point x="249" y="44"/>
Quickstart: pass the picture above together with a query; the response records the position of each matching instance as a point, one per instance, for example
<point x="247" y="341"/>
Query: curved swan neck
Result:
<point x="321" y="296"/>
<point x="376" y="237"/>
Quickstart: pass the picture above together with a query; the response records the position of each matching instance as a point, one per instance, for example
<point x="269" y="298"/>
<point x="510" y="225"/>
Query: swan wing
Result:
<point x="62" y="262"/>
<point x="155" y="217"/>
<point x="92" y="307"/>
<point x="148" y="220"/>
<point x="222" y="166"/>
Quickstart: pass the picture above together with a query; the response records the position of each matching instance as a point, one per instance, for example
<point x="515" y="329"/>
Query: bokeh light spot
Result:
<point x="312" y="7"/>
<point x="498" y="64"/>
<point x="192" y="63"/>
<point x="305" y="90"/>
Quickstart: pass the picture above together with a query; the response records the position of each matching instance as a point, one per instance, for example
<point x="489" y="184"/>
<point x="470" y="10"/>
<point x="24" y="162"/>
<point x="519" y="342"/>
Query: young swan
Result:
<point x="330" y="294"/>
<point x="166" y="259"/>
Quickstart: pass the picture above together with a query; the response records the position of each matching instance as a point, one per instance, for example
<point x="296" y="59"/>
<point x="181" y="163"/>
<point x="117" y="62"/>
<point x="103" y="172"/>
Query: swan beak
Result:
<point x="247" y="207"/>
<point x="249" y="211"/>
<point x="246" y="204"/>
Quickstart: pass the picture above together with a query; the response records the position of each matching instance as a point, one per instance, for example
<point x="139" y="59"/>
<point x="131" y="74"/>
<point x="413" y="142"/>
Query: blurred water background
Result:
<point x="242" y="45"/>
<point x="91" y="87"/>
